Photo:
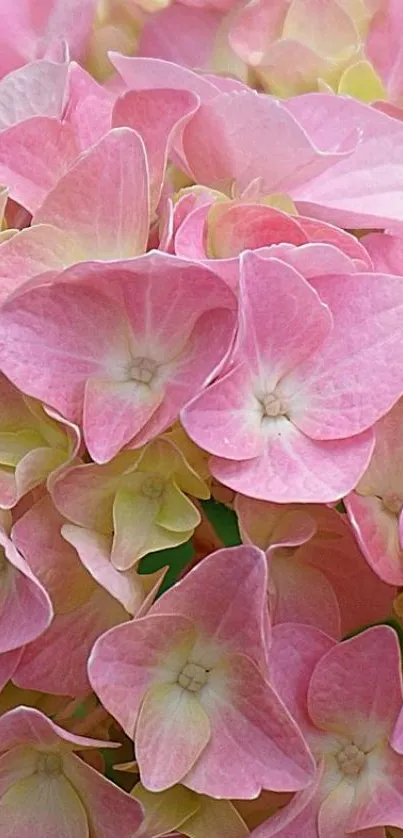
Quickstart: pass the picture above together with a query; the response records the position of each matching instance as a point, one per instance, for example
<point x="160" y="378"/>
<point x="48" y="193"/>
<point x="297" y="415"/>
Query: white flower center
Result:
<point x="49" y="764"/>
<point x="273" y="405"/>
<point x="193" y="677"/>
<point x="153" y="486"/>
<point x="142" y="370"/>
<point x="351" y="760"/>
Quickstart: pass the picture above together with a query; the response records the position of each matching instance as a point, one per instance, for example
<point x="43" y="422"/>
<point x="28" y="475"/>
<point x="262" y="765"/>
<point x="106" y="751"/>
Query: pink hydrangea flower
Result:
<point x="188" y="682"/>
<point x="290" y="420"/>
<point x="347" y="699"/>
<point x="45" y="787"/>
<point x="159" y="330"/>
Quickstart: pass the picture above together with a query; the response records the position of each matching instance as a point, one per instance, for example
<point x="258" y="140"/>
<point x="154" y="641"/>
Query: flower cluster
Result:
<point x="201" y="418"/>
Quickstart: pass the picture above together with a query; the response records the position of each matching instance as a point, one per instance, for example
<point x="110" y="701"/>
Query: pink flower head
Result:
<point x="158" y="116"/>
<point x="120" y="349"/>
<point x="188" y="683"/>
<point x="376" y="504"/>
<point x="317" y="574"/>
<point x="290" y="420"/>
<point x="47" y="790"/>
<point x="347" y="698"/>
<point x="56" y="662"/>
<point x="33" y="444"/>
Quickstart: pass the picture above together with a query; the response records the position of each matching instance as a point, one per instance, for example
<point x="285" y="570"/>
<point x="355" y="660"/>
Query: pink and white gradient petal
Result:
<point x="263" y="746"/>
<point x="172" y="731"/>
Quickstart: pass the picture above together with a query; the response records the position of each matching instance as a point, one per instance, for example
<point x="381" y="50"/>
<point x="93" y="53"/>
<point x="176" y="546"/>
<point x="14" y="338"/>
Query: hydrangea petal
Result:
<point x="172" y="731"/>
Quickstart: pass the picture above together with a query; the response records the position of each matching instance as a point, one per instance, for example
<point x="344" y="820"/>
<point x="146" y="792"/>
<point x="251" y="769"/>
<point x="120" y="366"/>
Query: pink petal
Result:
<point x="234" y="228"/>
<point x="281" y="165"/>
<point x="30" y="253"/>
<point x="74" y="358"/>
<point x="295" y="468"/>
<point x="156" y="115"/>
<point x="172" y="731"/>
<point x="109" y="809"/>
<point x="28" y="726"/>
<point x="232" y="610"/>
<point x="378" y="536"/>
<point x="38" y="89"/>
<point x="89" y="106"/>
<point x="84" y="493"/>
<point x="334" y="392"/>
<point x="225" y="418"/>
<point x="386" y="252"/>
<point x="255" y="26"/>
<point x="34" y="154"/>
<point x="182" y="33"/>
<point x="254" y="742"/>
<point x="321" y="232"/>
<point x="363" y="189"/>
<point x="26" y="609"/>
<point x="127" y="660"/>
<point x="57" y="661"/>
<point x="114" y="413"/>
<point x="272" y="336"/>
<point x="102" y="201"/>
<point x="37" y="536"/>
<point x="94" y="550"/>
<point x="294" y="653"/>
<point x="272" y="525"/>
<point x="303" y="594"/>
<point x="346" y="697"/>
<point x="156" y="74"/>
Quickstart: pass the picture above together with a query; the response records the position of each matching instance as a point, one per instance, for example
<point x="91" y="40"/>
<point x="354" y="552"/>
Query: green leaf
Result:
<point x="224" y="521"/>
<point x="176" y="558"/>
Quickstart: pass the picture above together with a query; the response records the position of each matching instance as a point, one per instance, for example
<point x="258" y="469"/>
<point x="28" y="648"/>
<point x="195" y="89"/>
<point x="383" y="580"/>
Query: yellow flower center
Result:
<point x="50" y="764"/>
<point x="153" y="486"/>
<point x="273" y="406"/>
<point x="142" y="370"/>
<point x="193" y="677"/>
<point x="351" y="760"/>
